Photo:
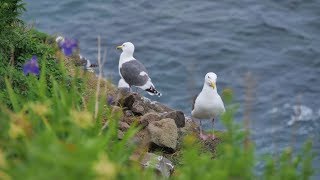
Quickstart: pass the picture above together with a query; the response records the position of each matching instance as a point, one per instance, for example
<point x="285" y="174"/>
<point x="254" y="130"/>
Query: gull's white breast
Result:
<point x="208" y="106"/>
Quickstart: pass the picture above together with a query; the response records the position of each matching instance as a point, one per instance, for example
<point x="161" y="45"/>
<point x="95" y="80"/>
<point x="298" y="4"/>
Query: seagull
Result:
<point x="133" y="72"/>
<point x="123" y="85"/>
<point x="87" y="64"/>
<point x="59" y="40"/>
<point x="208" y="103"/>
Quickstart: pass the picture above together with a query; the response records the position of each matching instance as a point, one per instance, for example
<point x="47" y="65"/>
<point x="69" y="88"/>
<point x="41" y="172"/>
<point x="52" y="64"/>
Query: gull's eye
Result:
<point x="209" y="77"/>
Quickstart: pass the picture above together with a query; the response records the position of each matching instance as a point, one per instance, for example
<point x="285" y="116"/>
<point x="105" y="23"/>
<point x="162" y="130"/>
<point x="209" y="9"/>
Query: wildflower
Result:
<point x="190" y="140"/>
<point x="104" y="168"/>
<point x="31" y="66"/>
<point x="3" y="162"/>
<point x="68" y="46"/>
<point x="110" y="100"/>
<point x="19" y="126"/>
<point x="83" y="119"/>
<point x="15" y="131"/>
<point x="40" y="109"/>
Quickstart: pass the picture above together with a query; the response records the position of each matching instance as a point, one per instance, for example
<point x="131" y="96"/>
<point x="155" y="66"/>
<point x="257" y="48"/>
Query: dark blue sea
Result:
<point x="271" y="46"/>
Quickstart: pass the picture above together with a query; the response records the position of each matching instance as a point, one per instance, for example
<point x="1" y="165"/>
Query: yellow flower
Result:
<point x="19" y="126"/>
<point x="104" y="169"/>
<point x="15" y="131"/>
<point x="190" y="140"/>
<point x="83" y="118"/>
<point x="40" y="109"/>
<point x="4" y="176"/>
<point x="3" y="164"/>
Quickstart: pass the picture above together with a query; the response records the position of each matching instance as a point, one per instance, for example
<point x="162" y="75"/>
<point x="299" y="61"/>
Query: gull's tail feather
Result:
<point x="94" y="65"/>
<point x="152" y="91"/>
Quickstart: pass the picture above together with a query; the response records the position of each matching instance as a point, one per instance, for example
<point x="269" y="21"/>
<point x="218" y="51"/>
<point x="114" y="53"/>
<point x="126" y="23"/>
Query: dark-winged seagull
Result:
<point x="133" y="72"/>
<point x="87" y="64"/>
<point x="208" y="104"/>
<point x="123" y="85"/>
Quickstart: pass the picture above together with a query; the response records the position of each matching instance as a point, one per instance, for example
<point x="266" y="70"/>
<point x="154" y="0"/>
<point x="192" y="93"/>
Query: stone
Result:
<point x="161" y="164"/>
<point x="149" y="117"/>
<point x="190" y="127"/>
<point x="120" y="96"/>
<point x="123" y="126"/>
<point x="116" y="110"/>
<point x="178" y="117"/>
<point x="128" y="113"/>
<point x="140" y="105"/>
<point x="128" y="120"/>
<point x="164" y="133"/>
<point x="120" y="134"/>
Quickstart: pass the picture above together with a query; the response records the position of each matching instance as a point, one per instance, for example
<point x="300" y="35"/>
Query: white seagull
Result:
<point x="208" y="104"/>
<point x="123" y="85"/>
<point x="133" y="72"/>
<point x="87" y="66"/>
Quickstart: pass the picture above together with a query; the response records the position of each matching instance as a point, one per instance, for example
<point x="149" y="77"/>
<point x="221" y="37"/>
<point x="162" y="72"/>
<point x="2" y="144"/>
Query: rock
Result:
<point x="161" y="164"/>
<point x="178" y="117"/>
<point x="128" y="120"/>
<point x="190" y="126"/>
<point x="164" y="133"/>
<point x="128" y="113"/>
<point x="116" y="110"/>
<point x="120" y="134"/>
<point x="133" y="102"/>
<point x="140" y="105"/>
<point x="123" y="126"/>
<point x="120" y="96"/>
<point x="149" y="117"/>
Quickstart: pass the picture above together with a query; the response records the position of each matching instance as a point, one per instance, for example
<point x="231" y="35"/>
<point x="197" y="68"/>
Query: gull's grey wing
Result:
<point x="130" y="71"/>
<point x="194" y="101"/>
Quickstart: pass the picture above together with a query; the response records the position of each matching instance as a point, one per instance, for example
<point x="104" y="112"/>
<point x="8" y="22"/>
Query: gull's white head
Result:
<point x="127" y="47"/>
<point x="211" y="79"/>
<point x="88" y="64"/>
<point x="59" y="39"/>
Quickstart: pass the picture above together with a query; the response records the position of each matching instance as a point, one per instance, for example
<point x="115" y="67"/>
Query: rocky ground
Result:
<point x="159" y="141"/>
<point x="162" y="130"/>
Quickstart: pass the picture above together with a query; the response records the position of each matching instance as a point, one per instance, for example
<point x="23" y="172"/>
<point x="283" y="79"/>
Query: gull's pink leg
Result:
<point x="202" y="136"/>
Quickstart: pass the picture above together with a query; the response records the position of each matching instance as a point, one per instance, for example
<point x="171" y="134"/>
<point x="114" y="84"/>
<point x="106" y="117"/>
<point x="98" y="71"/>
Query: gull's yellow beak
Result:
<point x="119" y="47"/>
<point x="213" y="85"/>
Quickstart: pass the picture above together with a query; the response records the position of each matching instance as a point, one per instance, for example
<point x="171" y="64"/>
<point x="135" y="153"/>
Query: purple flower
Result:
<point x="31" y="66"/>
<point x="110" y="100"/>
<point x="68" y="46"/>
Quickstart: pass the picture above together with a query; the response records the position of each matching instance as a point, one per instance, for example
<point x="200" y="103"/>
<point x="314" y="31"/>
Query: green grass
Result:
<point x="48" y="129"/>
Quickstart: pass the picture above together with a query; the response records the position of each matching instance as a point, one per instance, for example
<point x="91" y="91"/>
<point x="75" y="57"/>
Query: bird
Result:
<point x="208" y="103"/>
<point x="87" y="65"/>
<point x="123" y="85"/>
<point x="59" y="40"/>
<point x="133" y="71"/>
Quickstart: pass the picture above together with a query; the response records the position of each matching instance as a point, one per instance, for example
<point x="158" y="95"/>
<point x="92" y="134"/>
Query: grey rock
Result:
<point x="128" y="113"/>
<point x="120" y="134"/>
<point x="140" y="105"/>
<point x="116" y="110"/>
<point x="164" y="133"/>
<point x="161" y="164"/>
<point x="128" y="120"/>
<point x="178" y="117"/>
<point x="123" y="126"/>
<point x="190" y="127"/>
<point x="149" y="117"/>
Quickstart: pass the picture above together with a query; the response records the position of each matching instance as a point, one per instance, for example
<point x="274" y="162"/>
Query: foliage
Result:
<point x="235" y="159"/>
<point x="9" y="20"/>
<point x="47" y="130"/>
